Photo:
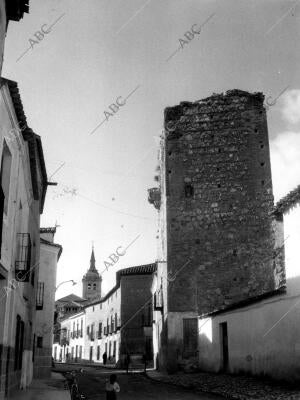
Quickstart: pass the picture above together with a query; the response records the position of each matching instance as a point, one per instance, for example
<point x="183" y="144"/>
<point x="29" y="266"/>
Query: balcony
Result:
<point x="154" y="197"/>
<point x="158" y="302"/>
<point x="64" y="342"/>
<point x="23" y="261"/>
<point x="99" y="335"/>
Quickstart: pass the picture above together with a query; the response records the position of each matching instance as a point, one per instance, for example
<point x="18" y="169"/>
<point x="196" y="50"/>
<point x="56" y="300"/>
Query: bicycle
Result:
<point x="71" y="378"/>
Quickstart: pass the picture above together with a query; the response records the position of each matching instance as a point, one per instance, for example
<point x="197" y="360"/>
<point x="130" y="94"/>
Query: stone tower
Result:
<point x="217" y="244"/>
<point x="91" y="281"/>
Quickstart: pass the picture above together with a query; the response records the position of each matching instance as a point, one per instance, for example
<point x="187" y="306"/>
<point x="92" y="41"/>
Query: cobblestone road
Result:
<point x="134" y="386"/>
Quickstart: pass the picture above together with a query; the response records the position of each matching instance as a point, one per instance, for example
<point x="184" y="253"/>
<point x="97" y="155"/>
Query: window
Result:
<point x="19" y="343"/>
<point x="188" y="190"/>
<point x="98" y="352"/>
<point x="5" y="174"/>
<point x="89" y="286"/>
<point x="92" y="332"/>
<point x="39" y="342"/>
<point x="81" y="328"/>
<point x="112" y="324"/>
<point x="80" y="351"/>
<point x="114" y="348"/>
<point x="88" y="330"/>
<point x="40" y="296"/>
<point x="100" y="330"/>
<point x="94" y="286"/>
<point x="100" y="306"/>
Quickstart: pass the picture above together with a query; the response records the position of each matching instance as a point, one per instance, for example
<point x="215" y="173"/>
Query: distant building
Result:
<point x="68" y="305"/>
<point x="260" y="336"/>
<point x="217" y="242"/>
<point x="49" y="256"/>
<point x="119" y="323"/>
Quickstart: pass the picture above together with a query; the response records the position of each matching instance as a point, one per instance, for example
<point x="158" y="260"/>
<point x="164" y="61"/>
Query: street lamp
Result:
<point x="61" y="283"/>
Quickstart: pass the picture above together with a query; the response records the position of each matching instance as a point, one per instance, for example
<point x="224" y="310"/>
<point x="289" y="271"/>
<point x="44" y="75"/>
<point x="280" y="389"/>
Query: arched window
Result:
<point x="89" y="286"/>
<point x="94" y="286"/>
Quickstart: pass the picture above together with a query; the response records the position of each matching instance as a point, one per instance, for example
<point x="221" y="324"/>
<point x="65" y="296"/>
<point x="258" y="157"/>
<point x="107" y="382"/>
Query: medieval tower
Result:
<point x="216" y="233"/>
<point x="91" y="281"/>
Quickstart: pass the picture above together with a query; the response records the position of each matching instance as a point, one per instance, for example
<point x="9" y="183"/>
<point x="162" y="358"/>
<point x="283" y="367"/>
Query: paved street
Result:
<point x="133" y="386"/>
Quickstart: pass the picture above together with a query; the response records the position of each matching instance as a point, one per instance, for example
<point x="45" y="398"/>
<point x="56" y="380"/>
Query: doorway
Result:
<point x="224" y="347"/>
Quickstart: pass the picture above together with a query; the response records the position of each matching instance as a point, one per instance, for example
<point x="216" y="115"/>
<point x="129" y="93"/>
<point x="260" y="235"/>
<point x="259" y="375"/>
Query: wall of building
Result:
<point x="2" y="31"/>
<point x="136" y="315"/>
<point x="259" y="342"/>
<point x="106" y="342"/>
<point x="263" y="338"/>
<point x="22" y="217"/>
<point x="45" y="316"/>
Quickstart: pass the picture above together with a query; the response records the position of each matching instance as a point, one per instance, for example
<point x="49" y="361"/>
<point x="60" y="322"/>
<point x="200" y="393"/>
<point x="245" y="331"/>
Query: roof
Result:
<point x="70" y="297"/>
<point x="48" y="230"/>
<point x="147" y="269"/>
<point x="44" y="241"/>
<point x="291" y="200"/>
<point x="36" y="156"/>
<point x="246" y="302"/>
<point x="15" y="9"/>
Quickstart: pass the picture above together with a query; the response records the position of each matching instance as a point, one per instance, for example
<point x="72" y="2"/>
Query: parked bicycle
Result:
<point x="72" y="383"/>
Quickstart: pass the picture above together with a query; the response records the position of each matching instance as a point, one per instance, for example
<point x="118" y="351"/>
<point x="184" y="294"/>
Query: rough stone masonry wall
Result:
<point x="219" y="196"/>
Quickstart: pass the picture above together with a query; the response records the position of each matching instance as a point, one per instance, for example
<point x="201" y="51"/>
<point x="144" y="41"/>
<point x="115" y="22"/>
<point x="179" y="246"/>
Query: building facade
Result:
<point x="217" y="240"/>
<point x="22" y="194"/>
<point x="260" y="336"/>
<point x="118" y="324"/>
<point x="49" y="256"/>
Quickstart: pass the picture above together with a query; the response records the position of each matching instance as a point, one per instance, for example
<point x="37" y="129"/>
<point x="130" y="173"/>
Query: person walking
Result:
<point x="104" y="358"/>
<point x="112" y="387"/>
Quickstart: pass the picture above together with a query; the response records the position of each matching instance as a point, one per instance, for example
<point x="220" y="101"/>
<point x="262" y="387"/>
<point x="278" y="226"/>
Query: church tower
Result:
<point x="91" y="281"/>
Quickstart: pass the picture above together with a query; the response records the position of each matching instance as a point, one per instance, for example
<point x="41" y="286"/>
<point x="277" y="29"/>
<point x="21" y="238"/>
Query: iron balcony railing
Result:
<point x="23" y="261"/>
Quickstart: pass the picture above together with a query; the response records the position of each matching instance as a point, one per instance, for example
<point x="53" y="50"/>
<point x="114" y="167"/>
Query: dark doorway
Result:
<point x="190" y="337"/>
<point x="224" y="346"/>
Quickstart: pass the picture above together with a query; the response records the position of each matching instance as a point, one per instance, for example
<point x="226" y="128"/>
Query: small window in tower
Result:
<point x="89" y="286"/>
<point x="94" y="286"/>
<point x="188" y="190"/>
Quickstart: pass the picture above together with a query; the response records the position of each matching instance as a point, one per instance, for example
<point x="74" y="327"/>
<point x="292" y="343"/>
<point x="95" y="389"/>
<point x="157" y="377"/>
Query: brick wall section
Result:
<point x="219" y="195"/>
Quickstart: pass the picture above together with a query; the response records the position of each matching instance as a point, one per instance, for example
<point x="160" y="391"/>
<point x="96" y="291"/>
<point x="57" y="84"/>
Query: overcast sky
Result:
<point x="98" y="51"/>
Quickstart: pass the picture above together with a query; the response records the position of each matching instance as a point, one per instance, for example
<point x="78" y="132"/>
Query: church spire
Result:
<point x="92" y="261"/>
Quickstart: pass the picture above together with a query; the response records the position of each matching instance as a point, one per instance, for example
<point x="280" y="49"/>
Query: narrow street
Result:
<point x="133" y="386"/>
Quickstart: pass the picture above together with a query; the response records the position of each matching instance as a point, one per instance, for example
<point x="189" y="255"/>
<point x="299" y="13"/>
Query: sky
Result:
<point x="95" y="83"/>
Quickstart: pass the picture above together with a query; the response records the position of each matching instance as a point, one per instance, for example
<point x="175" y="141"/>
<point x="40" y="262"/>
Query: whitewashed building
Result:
<point x="261" y="336"/>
